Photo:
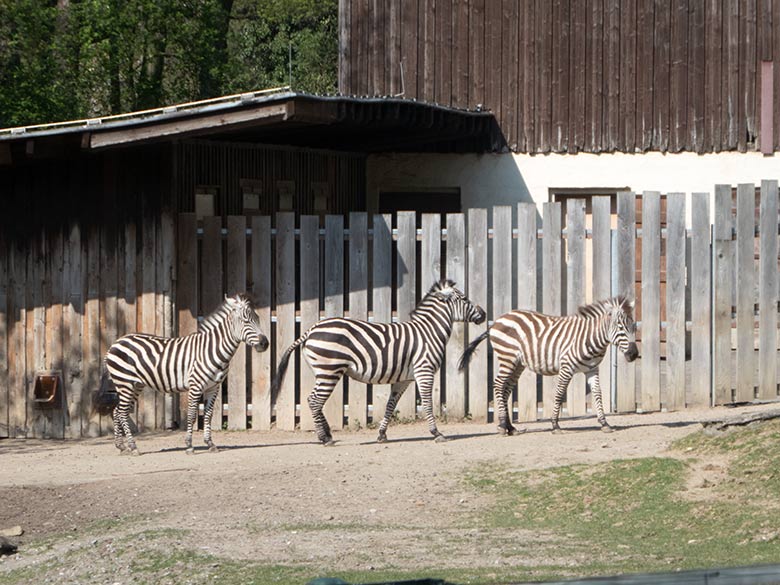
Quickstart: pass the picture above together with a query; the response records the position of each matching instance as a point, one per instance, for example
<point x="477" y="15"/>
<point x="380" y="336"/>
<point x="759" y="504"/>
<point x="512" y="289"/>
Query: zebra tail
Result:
<point x="276" y="383"/>
<point x="106" y="398"/>
<point x="470" y="349"/>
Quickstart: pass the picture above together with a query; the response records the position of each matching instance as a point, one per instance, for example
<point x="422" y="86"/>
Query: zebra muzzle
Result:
<point x="631" y="353"/>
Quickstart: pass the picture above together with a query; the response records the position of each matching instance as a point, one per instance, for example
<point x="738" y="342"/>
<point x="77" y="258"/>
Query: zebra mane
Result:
<point x="218" y="315"/>
<point x="442" y="285"/>
<point x="606" y="306"/>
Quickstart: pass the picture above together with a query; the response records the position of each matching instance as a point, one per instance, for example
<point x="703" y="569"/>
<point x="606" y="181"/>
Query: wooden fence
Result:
<point x="707" y="302"/>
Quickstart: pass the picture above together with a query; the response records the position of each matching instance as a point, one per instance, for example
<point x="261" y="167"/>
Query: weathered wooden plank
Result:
<point x="501" y="269"/>
<point x="476" y="46"/>
<point x="211" y="278"/>
<point x="382" y="293"/>
<point x="393" y="47"/>
<point x="430" y="273"/>
<point x="5" y="337"/>
<point x="560" y="76"/>
<point x="477" y="232"/>
<point x="526" y="133"/>
<point x="746" y="106"/>
<point x="17" y="357"/>
<point x="310" y="304"/>
<point x="236" y="283"/>
<point x="376" y="48"/>
<point x="701" y="302"/>
<point x="509" y="70"/>
<point x="602" y="282"/>
<point x="661" y="80"/>
<point x="409" y="37"/>
<point x="575" y="290"/>
<point x="358" y="307"/>
<point x="626" y="245"/>
<point x="493" y="50"/>
<point x="425" y="53"/>
<point x="345" y="45"/>
<point x="746" y="293"/>
<point x="73" y="312"/>
<point x="91" y="335"/>
<point x="552" y="291"/>
<point x="261" y="293"/>
<point x="697" y="58"/>
<point x="678" y="76"/>
<point x="37" y="420"/>
<point x="611" y="73"/>
<point x="108" y="300"/>
<point x="405" y="291"/>
<point x="543" y="85"/>
<point x="713" y="104"/>
<point x="442" y="43"/>
<point x="186" y="286"/>
<point x="675" y="300"/>
<point x="285" y="315"/>
<point x="577" y="87"/>
<point x="651" y="302"/>
<point x="166" y="273"/>
<point x="54" y="328"/>
<point x="628" y="76"/>
<point x="594" y="81"/>
<point x="767" y="299"/>
<point x="644" y="76"/>
<point x="334" y="303"/>
<point x="730" y="75"/>
<point x="723" y="281"/>
<point x="527" y="402"/>
<point x="455" y="381"/>
<point x="460" y="53"/>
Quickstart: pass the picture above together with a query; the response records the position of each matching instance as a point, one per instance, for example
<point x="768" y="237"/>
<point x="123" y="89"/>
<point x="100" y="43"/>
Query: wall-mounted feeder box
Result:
<point x="47" y="389"/>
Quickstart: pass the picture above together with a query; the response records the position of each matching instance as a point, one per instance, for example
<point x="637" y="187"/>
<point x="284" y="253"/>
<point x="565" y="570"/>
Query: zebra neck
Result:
<point x="222" y="332"/>
<point x="437" y="319"/>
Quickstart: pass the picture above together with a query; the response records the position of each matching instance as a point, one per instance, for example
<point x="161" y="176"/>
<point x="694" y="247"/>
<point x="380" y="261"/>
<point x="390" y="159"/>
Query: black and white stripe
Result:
<point x="382" y="353"/>
<point x="195" y="364"/>
<point x="551" y="345"/>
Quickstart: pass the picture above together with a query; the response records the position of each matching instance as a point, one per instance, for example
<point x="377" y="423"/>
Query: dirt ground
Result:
<point x="279" y="498"/>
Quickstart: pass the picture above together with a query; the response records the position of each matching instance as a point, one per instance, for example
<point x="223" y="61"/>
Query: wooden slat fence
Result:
<point x="708" y="302"/>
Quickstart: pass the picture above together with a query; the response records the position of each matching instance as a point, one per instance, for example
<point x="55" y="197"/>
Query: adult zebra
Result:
<point x="551" y="345"/>
<point x="195" y="364"/>
<point x="382" y="353"/>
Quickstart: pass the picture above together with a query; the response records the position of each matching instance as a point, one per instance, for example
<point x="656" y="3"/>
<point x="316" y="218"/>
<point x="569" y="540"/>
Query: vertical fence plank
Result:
<point x="17" y="397"/>
<point x="358" y="307"/>
<point x="310" y="305"/>
<point x="72" y="374"/>
<point x="108" y="302"/>
<point x="334" y="304"/>
<point x="723" y="281"/>
<point x="477" y="293"/>
<point x="602" y="282"/>
<point x="575" y="290"/>
<point x="166" y="272"/>
<point x="36" y="332"/>
<point x="261" y="292"/>
<point x="406" y="292"/>
<point x="650" y="369"/>
<point x="236" y="283"/>
<point x="502" y="282"/>
<point x="211" y="286"/>
<point x="150" y="399"/>
<point x="552" y="296"/>
<point x="701" y="301"/>
<point x="91" y="336"/>
<point x="745" y="252"/>
<point x="430" y="272"/>
<point x="382" y="285"/>
<point x="526" y="299"/>
<point x="54" y="329"/>
<point x="456" y="262"/>
<point x="186" y="286"/>
<point x="767" y="302"/>
<point x="675" y="301"/>
<point x="626" y="244"/>
<point x="285" y="314"/>
<point x="5" y="338"/>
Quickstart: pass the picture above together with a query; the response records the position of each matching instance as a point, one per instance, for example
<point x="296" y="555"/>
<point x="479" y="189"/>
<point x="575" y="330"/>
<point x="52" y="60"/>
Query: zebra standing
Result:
<point x="195" y="364"/>
<point x="551" y="345"/>
<point x="382" y="353"/>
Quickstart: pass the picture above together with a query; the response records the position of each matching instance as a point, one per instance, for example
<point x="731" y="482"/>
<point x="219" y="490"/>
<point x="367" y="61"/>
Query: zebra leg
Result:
<point x="564" y="377"/>
<point x="211" y="398"/>
<point x="502" y="387"/>
<point x="323" y="388"/>
<point x="127" y="398"/>
<point x="193" y="397"/>
<point x="425" y="384"/>
<point x="595" y="388"/>
<point x="395" y="395"/>
<point x="119" y="440"/>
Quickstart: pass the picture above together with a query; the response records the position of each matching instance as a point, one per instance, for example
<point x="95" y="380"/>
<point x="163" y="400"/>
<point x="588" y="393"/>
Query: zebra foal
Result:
<point x="550" y="345"/>
<point x="195" y="364"/>
<point x="382" y="353"/>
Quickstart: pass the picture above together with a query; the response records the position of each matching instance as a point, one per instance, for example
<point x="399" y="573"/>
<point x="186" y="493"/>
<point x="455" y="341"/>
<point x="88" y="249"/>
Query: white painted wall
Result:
<point x="501" y="179"/>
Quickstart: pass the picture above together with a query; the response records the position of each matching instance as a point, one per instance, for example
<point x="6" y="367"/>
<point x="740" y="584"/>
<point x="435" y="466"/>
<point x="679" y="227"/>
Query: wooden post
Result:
<point x="602" y="282"/>
<point x="745" y="263"/>
<point x="477" y="229"/>
<point x="723" y="281"/>
<point x="73" y="313"/>
<point x="54" y="329"/>
<point x="236" y="283"/>
<point x="405" y="293"/>
<point x="675" y="301"/>
<point x="187" y="288"/>
<point x="17" y="397"/>
<point x="575" y="290"/>
<point x="626" y="235"/>
<point x="767" y="306"/>
<point x="310" y="304"/>
<point x="91" y="337"/>
<point x="430" y="273"/>
<point x="165" y="276"/>
<point x="552" y="296"/>
<point x="285" y="315"/>
<point x="358" y="308"/>
<point x="108" y="303"/>
<point x="37" y="422"/>
<point x="454" y="379"/>
<point x="650" y="354"/>
<point x="261" y="292"/>
<point x="211" y="295"/>
<point x="527" y="402"/>
<point x="701" y="302"/>
<point x="502" y="281"/>
<point x="382" y="283"/>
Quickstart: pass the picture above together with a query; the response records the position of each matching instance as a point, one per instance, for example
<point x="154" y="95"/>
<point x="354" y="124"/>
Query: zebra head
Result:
<point x="462" y="308"/>
<point x="622" y="328"/>
<point x="245" y="323"/>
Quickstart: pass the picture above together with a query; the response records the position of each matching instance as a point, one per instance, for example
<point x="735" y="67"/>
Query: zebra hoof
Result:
<point x="190" y="451"/>
<point x="382" y="438"/>
<point x="606" y="429"/>
<point x="557" y="431"/>
<point x="328" y="443"/>
<point x="440" y="439"/>
<point x="213" y="449"/>
<point x="135" y="453"/>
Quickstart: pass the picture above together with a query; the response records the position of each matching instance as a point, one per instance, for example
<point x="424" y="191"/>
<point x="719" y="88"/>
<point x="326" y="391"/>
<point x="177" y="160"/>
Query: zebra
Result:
<point x="195" y="364"/>
<point x="382" y="353"/>
<point x="551" y="345"/>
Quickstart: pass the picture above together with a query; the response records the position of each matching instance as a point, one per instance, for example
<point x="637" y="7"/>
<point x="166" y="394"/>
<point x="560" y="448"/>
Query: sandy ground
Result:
<point x="279" y="497"/>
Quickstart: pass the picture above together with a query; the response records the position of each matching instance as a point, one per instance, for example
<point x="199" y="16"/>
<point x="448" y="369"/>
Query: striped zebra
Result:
<point x="382" y="353"/>
<point x="550" y="345"/>
<point x="195" y="364"/>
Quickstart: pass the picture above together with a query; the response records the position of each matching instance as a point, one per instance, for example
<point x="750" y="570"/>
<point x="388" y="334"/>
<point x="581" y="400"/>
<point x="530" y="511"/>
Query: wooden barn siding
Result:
<point x="576" y="75"/>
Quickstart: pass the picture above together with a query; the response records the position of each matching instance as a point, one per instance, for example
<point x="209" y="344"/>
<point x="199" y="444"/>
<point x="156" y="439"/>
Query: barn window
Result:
<point x="251" y="191"/>
<point x="205" y="201"/>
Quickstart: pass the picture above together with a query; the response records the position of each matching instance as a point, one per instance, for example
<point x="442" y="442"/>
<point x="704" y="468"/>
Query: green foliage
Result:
<point x="80" y="58"/>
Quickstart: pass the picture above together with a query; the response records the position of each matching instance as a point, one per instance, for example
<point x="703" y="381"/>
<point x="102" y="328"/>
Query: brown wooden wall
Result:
<point x="577" y="75"/>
